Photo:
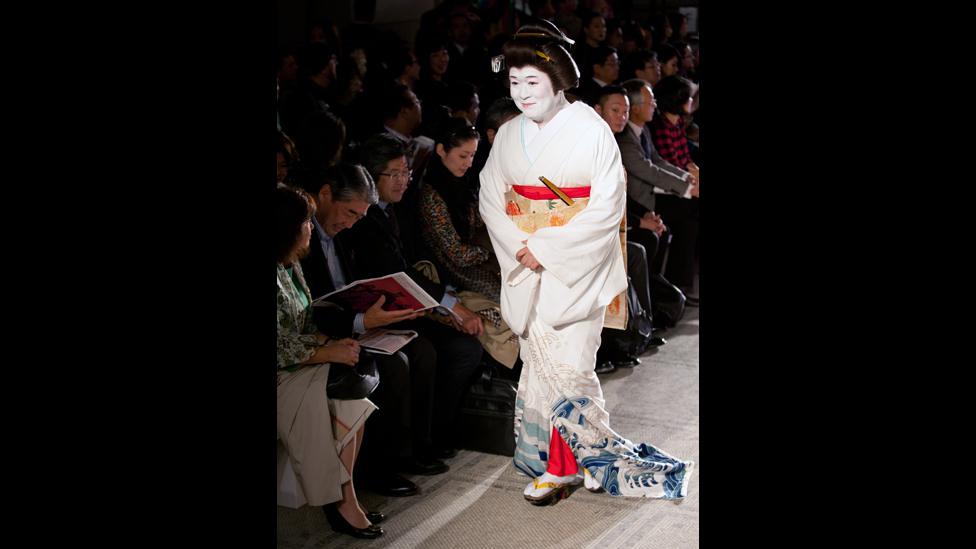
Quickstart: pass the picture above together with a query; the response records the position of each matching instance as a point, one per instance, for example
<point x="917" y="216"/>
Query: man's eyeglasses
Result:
<point x="398" y="175"/>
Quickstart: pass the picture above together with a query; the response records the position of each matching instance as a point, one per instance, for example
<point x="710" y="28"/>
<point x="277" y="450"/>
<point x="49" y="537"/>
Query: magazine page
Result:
<point x="385" y="342"/>
<point x="400" y="291"/>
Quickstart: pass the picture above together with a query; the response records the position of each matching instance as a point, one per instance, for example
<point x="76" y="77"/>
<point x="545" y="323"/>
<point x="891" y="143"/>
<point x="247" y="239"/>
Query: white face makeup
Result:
<point x="532" y="91"/>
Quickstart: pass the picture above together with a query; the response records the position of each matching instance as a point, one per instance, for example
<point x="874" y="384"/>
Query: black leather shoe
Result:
<point x="628" y="362"/>
<point x="656" y="341"/>
<point x="444" y="453"/>
<point x="390" y="484"/>
<point x="374" y="517"/>
<point x="605" y="367"/>
<point x="423" y="466"/>
<point x="339" y="524"/>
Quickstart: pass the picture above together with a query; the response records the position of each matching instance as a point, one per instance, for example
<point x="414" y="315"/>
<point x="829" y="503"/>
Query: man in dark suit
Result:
<point x="605" y="69"/>
<point x="655" y="186"/>
<point x="380" y="252"/>
<point x="402" y="115"/>
<point x="397" y="433"/>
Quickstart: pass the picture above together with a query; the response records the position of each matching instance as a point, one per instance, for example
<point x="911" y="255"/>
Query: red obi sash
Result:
<point x="543" y="193"/>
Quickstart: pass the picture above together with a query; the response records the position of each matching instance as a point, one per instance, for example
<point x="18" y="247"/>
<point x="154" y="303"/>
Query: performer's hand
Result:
<point x="693" y="170"/>
<point x="375" y="316"/>
<point x="694" y="191"/>
<point x="470" y="322"/>
<point x="525" y="257"/>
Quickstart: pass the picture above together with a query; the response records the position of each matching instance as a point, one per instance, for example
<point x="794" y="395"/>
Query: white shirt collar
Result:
<point x="635" y="128"/>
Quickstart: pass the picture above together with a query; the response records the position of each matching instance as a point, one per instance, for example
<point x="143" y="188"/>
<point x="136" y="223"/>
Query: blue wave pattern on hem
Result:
<point x="622" y="467"/>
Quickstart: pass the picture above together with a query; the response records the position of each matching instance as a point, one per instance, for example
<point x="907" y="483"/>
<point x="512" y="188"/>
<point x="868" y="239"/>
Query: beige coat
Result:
<point x="304" y="420"/>
<point x="305" y="429"/>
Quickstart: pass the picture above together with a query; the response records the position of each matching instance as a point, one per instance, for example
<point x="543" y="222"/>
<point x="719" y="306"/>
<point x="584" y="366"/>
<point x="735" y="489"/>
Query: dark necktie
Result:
<point x="391" y="215"/>
<point x="645" y="144"/>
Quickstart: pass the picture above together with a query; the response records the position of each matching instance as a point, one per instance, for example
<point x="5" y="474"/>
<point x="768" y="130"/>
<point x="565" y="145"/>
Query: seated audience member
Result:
<point x="613" y="106"/>
<point x="401" y="113"/>
<point x="643" y="65"/>
<point x="287" y="157"/>
<point x="449" y="214"/>
<point x="317" y="66"/>
<point x="405" y="68"/>
<point x="463" y="101"/>
<point x="378" y="237"/>
<point x="605" y="68"/>
<point x="669" y="58"/>
<point x="320" y="140"/>
<point x="671" y="181"/>
<point x="403" y="424"/>
<point x="434" y="60"/>
<point x="501" y="111"/>
<point x="321" y="435"/>
<point x="593" y="35"/>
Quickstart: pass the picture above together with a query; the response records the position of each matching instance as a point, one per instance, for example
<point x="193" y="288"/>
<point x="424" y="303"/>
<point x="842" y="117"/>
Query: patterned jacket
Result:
<point x="296" y="331"/>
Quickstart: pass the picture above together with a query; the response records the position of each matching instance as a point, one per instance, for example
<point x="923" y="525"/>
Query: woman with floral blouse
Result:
<point x="322" y="435"/>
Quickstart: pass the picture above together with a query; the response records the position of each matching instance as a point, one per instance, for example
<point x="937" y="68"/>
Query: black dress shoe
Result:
<point x="444" y="453"/>
<point x="605" y="367"/>
<point x="656" y="341"/>
<point x="424" y="466"/>
<point x="390" y="484"/>
<point x="339" y="524"/>
<point x="628" y="362"/>
<point x="374" y="516"/>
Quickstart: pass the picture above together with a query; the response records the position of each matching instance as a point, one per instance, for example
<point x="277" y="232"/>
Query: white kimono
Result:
<point x="558" y="312"/>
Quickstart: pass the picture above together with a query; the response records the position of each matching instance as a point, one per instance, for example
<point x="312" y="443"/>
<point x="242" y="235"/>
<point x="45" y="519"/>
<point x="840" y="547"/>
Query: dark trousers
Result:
<point x="637" y="271"/>
<point x="656" y="248"/>
<point x="458" y="357"/>
<point x="681" y="217"/>
<point x="405" y="397"/>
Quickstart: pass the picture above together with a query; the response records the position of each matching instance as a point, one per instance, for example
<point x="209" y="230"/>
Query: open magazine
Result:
<point x="400" y="291"/>
<point x="385" y="342"/>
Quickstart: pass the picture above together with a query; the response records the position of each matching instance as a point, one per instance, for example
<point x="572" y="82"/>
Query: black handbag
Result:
<point x="486" y="420"/>
<point x="634" y="339"/>
<point x="353" y="382"/>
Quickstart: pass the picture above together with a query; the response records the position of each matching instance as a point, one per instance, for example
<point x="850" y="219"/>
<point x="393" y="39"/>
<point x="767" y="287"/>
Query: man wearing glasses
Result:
<point x="401" y="112"/>
<point x="380" y="245"/>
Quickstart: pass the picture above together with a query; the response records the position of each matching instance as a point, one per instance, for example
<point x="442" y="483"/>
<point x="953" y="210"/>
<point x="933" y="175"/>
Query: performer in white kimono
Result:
<point x="561" y="265"/>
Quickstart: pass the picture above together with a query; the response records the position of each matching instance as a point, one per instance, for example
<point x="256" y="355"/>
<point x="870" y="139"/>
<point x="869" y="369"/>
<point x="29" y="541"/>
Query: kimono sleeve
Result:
<point x="571" y="251"/>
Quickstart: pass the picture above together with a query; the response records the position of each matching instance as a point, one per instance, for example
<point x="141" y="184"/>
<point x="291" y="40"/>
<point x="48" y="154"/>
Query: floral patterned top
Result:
<point x="297" y="339"/>
<point x="465" y="262"/>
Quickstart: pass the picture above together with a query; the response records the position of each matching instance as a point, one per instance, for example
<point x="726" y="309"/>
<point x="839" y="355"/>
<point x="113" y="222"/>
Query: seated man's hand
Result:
<point x="375" y="316"/>
<point x="652" y="222"/>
